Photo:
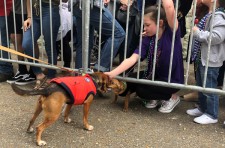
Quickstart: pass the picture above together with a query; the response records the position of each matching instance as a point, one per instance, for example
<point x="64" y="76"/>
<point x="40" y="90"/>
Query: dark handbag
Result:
<point x="137" y="25"/>
<point x="121" y="15"/>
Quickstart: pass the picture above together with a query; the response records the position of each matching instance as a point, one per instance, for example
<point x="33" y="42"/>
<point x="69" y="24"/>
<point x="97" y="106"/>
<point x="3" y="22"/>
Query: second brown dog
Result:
<point x="119" y="87"/>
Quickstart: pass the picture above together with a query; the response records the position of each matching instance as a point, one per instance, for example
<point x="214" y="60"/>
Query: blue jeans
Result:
<point x="5" y="67"/>
<point x="208" y="103"/>
<point x="107" y="22"/>
<point x="27" y="39"/>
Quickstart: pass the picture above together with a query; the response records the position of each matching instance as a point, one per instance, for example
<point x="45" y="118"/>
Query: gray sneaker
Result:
<point x="152" y="104"/>
<point x="168" y="106"/>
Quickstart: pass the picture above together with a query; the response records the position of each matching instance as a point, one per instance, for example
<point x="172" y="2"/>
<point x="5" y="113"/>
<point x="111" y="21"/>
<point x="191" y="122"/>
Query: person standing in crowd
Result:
<point x="22" y="75"/>
<point x="107" y="22"/>
<point x="6" y="69"/>
<point x="132" y="37"/>
<point x="64" y="34"/>
<point x="201" y="11"/>
<point x="207" y="111"/>
<point x="33" y="25"/>
<point x="151" y="92"/>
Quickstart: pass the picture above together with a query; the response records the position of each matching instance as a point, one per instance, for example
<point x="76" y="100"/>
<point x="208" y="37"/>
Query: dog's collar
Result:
<point x="124" y="87"/>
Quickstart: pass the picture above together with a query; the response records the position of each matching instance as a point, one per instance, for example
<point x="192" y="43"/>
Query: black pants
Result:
<point x="149" y="92"/>
<point x="66" y="49"/>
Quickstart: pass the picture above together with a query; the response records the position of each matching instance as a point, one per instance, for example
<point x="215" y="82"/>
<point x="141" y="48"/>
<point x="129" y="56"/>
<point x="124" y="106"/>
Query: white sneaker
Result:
<point x="194" y="112"/>
<point x="168" y="106"/>
<point x="152" y="104"/>
<point x="204" y="119"/>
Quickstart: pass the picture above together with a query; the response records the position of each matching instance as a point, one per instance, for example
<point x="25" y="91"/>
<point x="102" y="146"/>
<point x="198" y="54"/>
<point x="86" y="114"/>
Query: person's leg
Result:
<point x="16" y="35"/>
<point x="27" y="43"/>
<point x="78" y="60"/>
<point x="50" y="41"/>
<point x="209" y="103"/>
<point x="119" y="34"/>
<point x="221" y="75"/>
<point x="16" y="38"/>
<point x="199" y="82"/>
<point x="67" y="50"/>
<point x="6" y="68"/>
<point x="201" y="98"/>
<point x="78" y="14"/>
<point x="74" y="31"/>
<point x="153" y="94"/>
<point x="212" y="100"/>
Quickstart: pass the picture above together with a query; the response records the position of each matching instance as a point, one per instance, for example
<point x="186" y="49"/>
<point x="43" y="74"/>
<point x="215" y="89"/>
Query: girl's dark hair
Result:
<point x="222" y="3"/>
<point x="152" y="12"/>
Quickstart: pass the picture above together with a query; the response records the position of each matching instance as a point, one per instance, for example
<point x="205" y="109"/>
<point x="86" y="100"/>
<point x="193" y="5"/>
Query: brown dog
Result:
<point x="56" y="95"/>
<point x="118" y="87"/>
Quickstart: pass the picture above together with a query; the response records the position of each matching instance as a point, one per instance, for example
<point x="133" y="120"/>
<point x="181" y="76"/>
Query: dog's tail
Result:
<point x="18" y="90"/>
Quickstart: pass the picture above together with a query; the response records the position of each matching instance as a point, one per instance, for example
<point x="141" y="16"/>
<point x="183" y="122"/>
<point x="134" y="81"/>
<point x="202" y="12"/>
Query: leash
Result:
<point x="29" y="57"/>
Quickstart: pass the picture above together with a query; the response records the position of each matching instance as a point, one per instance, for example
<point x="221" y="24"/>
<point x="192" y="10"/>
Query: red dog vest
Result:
<point x="79" y="87"/>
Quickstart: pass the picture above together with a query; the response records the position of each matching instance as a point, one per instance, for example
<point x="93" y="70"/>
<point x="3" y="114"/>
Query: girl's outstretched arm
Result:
<point x="126" y="64"/>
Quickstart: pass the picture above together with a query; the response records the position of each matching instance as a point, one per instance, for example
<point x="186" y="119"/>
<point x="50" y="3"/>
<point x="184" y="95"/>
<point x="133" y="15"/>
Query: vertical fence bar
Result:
<point x="140" y="41"/>
<point x="173" y="41"/>
<point x="156" y="41"/>
<point x="100" y="36"/>
<point x="113" y="35"/>
<point x="190" y="43"/>
<point x="126" y="36"/>
<point x="85" y="32"/>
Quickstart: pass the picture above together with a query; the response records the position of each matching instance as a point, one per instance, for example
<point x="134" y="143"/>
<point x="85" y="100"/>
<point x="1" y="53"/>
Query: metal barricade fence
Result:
<point x="87" y="5"/>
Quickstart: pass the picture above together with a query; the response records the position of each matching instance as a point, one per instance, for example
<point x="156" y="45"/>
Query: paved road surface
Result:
<point x="113" y="128"/>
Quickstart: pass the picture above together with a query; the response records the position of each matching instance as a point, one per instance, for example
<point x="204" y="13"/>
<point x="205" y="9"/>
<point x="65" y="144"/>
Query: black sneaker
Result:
<point x="27" y="80"/>
<point x="17" y="77"/>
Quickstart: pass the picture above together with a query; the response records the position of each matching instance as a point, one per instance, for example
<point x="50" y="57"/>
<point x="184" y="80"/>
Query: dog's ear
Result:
<point x="105" y="82"/>
<point x="102" y="80"/>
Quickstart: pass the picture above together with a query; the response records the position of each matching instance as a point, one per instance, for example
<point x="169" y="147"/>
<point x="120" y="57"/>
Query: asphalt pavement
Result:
<point x="139" y="127"/>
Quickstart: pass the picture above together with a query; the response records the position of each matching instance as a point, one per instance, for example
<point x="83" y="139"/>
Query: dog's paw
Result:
<point x="30" y="130"/>
<point x="41" y="143"/>
<point x="67" y="120"/>
<point x="89" y="128"/>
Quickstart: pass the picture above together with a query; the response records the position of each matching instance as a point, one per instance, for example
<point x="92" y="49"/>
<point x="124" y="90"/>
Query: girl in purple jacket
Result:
<point x="157" y="94"/>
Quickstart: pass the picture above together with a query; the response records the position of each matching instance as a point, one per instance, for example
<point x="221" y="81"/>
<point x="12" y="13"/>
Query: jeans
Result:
<point x="208" y="103"/>
<point x="107" y="22"/>
<point x="51" y="51"/>
<point x="5" y="67"/>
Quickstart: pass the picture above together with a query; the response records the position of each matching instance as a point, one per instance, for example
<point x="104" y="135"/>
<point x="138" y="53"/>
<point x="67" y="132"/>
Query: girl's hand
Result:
<point x="123" y="7"/>
<point x="106" y="1"/>
<point x="125" y="2"/>
<point x="27" y="24"/>
<point x="144" y="34"/>
<point x="109" y="74"/>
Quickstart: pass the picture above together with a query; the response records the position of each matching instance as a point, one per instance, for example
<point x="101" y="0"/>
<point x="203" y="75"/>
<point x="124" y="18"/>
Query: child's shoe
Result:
<point x="194" y="112"/>
<point x="204" y="119"/>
